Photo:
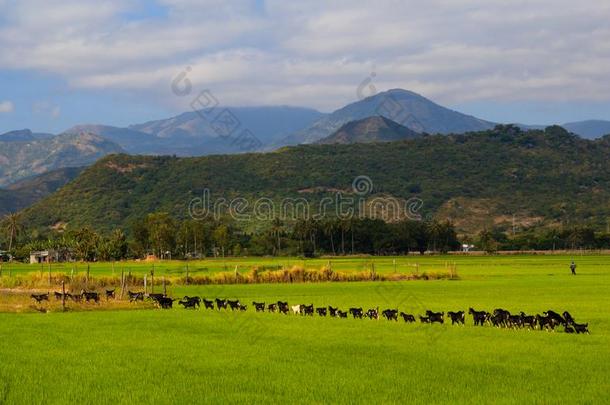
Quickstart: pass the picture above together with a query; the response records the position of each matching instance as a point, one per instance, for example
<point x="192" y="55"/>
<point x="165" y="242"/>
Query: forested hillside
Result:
<point x="502" y="178"/>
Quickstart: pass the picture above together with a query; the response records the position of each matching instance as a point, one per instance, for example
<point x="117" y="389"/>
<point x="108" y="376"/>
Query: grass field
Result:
<point x="210" y="357"/>
<point x="485" y="265"/>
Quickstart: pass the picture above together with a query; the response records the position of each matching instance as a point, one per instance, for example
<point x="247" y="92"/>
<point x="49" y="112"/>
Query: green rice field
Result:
<point x="203" y="356"/>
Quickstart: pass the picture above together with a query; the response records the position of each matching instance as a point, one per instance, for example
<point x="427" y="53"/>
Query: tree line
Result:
<point x="166" y="237"/>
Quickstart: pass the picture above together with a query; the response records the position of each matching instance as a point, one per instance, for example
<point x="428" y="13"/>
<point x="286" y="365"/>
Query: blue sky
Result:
<point x="68" y="62"/>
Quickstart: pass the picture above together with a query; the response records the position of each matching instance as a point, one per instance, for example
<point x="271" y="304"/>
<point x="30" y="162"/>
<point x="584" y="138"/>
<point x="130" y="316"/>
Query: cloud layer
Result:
<point x="317" y="52"/>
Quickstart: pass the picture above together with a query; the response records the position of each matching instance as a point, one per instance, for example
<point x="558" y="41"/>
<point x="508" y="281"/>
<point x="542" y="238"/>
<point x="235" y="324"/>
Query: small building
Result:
<point x="44" y="256"/>
<point x="5" y="256"/>
<point x="466" y="247"/>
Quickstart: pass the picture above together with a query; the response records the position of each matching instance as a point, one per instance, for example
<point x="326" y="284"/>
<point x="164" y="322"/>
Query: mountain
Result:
<point x="201" y="132"/>
<point x="21" y="159"/>
<point x="23" y="135"/>
<point x="370" y="130"/>
<point x="26" y="192"/>
<point x="404" y="107"/>
<point x="131" y="140"/>
<point x="590" y="129"/>
<point x="480" y="180"/>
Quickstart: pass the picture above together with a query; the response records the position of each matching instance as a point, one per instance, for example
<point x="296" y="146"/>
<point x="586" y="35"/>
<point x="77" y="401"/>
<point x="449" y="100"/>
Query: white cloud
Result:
<point x="6" y="107"/>
<point x="317" y="52"/>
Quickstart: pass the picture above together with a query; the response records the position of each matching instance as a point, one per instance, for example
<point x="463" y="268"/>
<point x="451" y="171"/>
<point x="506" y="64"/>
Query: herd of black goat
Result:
<point x="501" y="318"/>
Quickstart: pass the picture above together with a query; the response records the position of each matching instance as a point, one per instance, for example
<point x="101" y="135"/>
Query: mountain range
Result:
<point x="21" y="159"/>
<point x="404" y="107"/>
<point x="502" y="177"/>
<point x="24" y="153"/>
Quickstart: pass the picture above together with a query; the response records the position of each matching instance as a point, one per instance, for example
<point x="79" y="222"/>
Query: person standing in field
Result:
<point x="573" y="268"/>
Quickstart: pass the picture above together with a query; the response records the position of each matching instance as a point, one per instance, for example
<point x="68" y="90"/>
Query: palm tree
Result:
<point x="12" y="227"/>
<point x="277" y="230"/>
<point x="329" y="230"/>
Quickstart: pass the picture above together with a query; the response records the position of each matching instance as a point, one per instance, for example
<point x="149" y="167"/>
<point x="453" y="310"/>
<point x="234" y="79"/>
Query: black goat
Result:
<point x="91" y="296"/>
<point x="188" y="303"/>
<point x="435" y="316"/>
<point x="556" y="317"/>
<point x="307" y="309"/>
<point x="220" y="304"/>
<point x="372" y="313"/>
<point x="283" y="307"/>
<point x="390" y="314"/>
<point x="234" y="304"/>
<point x="581" y="327"/>
<point x="457" y="317"/>
<point x="356" y="312"/>
<point x="568" y="318"/>
<point x="110" y="294"/>
<point x="407" y="317"/>
<point x="165" y="302"/>
<point x="208" y="304"/>
<point x="135" y="296"/>
<point x="332" y="311"/>
<point x="259" y="306"/>
<point x="478" y="317"/>
<point x="40" y="297"/>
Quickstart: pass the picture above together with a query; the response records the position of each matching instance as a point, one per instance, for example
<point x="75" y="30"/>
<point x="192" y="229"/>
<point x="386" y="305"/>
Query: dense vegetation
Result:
<point x="163" y="236"/>
<point x="502" y="189"/>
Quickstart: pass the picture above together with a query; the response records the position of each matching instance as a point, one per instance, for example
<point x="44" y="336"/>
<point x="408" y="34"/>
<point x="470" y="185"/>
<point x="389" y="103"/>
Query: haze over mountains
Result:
<point x="397" y="114"/>
<point x="21" y="159"/>
<point x="26" y="192"/>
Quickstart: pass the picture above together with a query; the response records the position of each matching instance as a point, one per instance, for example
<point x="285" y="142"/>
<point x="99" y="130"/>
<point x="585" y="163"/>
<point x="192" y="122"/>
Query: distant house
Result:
<point x="44" y="256"/>
<point x="467" y="248"/>
<point x="5" y="256"/>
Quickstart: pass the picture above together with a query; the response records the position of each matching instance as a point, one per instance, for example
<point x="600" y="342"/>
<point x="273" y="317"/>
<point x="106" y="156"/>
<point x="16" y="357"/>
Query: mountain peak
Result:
<point x="370" y="130"/>
<point x="405" y="107"/>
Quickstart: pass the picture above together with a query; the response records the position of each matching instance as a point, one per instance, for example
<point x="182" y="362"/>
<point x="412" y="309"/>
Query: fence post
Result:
<point x="63" y="295"/>
<point x="49" y="272"/>
<point x="152" y="280"/>
<point x="122" y="283"/>
<point x="394" y="263"/>
<point x="145" y="291"/>
<point x="87" y="279"/>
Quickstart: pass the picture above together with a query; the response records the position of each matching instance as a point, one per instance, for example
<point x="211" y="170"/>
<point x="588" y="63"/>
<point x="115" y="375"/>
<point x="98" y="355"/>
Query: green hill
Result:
<point x="501" y="177"/>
